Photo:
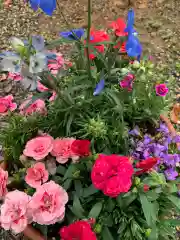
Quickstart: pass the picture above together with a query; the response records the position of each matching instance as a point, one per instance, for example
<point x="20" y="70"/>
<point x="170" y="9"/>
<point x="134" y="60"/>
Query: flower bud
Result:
<point x="17" y="44"/>
<point x="146" y="188"/>
<point x="148" y="232"/>
<point x="137" y="181"/>
<point x="136" y="64"/>
<point x="97" y="128"/>
<point x="97" y="228"/>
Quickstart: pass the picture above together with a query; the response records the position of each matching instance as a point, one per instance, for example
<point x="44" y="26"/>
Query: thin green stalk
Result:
<point x="88" y="39"/>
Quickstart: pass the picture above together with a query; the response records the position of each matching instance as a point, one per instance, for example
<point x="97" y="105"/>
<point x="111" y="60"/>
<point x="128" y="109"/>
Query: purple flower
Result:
<point x="163" y="128"/>
<point x="99" y="87"/>
<point x="171" y="174"/>
<point x="135" y="131"/>
<point x="158" y="148"/>
<point x="178" y="193"/>
<point x="176" y="139"/>
<point x="147" y="139"/>
<point x="161" y="89"/>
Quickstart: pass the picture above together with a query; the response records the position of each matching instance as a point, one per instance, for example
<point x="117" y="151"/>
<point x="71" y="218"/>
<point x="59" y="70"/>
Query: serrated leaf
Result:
<point x="106" y="234"/>
<point x="95" y="211"/>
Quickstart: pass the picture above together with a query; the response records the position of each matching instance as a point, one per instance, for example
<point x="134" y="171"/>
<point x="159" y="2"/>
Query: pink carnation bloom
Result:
<point x="15" y="76"/>
<point x="62" y="150"/>
<point x="42" y="88"/>
<point x="55" y="64"/>
<point x="7" y="104"/>
<point x="15" y="212"/>
<point x="161" y="89"/>
<point x="3" y="182"/>
<point x="127" y="82"/>
<point x="48" y="203"/>
<point x="39" y="147"/>
<point x="36" y="175"/>
<point x="37" y="106"/>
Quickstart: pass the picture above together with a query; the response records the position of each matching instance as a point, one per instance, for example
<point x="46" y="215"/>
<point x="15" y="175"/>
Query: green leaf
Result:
<point x="175" y="200"/>
<point x="77" y="208"/>
<point x="122" y="227"/>
<point x="148" y="209"/>
<point x="126" y="200"/>
<point x="154" y="233"/>
<point x="61" y="170"/>
<point x="69" y="173"/>
<point x="106" y="234"/>
<point x="67" y="184"/>
<point x="95" y="211"/>
<point x="78" y="188"/>
<point x="89" y="191"/>
<point x="152" y="195"/>
<point x="172" y="222"/>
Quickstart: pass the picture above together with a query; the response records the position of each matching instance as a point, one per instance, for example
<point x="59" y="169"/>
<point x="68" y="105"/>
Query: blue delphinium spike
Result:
<point x="99" y="87"/>
<point x="48" y="6"/>
<point x="78" y="33"/>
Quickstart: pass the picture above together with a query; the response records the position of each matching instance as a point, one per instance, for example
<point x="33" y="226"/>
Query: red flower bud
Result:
<point x="146" y="188"/>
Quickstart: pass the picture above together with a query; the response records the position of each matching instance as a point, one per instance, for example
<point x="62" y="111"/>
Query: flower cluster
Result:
<point x="62" y="148"/>
<point x="158" y="146"/>
<point x="46" y="206"/>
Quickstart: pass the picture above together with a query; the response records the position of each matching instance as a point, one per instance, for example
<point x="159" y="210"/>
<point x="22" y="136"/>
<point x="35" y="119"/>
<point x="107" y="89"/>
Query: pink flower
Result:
<point x="62" y="150"/>
<point x="15" y="76"/>
<point x="161" y="89"/>
<point x="48" y="203"/>
<point x="112" y="174"/>
<point x="127" y="82"/>
<point x="6" y="104"/>
<point x="15" y="212"/>
<point x="37" y="106"/>
<point x="42" y="88"/>
<point x="3" y="182"/>
<point x="36" y="175"/>
<point x="55" y="64"/>
<point x="39" y="147"/>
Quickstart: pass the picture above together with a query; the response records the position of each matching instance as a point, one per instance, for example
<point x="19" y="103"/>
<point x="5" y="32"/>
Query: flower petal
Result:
<point x="99" y="87"/>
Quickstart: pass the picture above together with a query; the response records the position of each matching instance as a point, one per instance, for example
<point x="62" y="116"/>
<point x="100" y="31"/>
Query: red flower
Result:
<point x="81" y="148"/>
<point x="112" y="174"/>
<point x="80" y="230"/>
<point x="146" y="165"/>
<point x="146" y="188"/>
<point x="97" y="37"/>
<point x="119" y="27"/>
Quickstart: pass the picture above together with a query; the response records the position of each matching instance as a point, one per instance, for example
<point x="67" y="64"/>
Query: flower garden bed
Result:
<point x="91" y="153"/>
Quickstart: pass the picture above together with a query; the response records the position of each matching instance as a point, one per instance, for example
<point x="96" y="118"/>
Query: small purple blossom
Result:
<point x="163" y="128"/>
<point x="171" y="174"/>
<point x="135" y="131"/>
<point x="147" y="139"/>
<point x="176" y="139"/>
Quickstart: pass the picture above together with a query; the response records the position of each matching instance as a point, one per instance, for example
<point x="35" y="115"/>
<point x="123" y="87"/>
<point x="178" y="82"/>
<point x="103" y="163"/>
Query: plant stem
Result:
<point x="88" y="39"/>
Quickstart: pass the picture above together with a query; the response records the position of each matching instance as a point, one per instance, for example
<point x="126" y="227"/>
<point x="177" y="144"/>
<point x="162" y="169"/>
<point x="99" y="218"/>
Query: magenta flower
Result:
<point x="161" y="89"/>
<point x="127" y="82"/>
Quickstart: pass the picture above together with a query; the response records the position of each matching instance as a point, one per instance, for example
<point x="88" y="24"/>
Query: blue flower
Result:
<point x="38" y="63"/>
<point x="38" y="43"/>
<point x="99" y="87"/>
<point x="78" y="33"/>
<point x="130" y="22"/>
<point x="48" y="6"/>
<point x="133" y="46"/>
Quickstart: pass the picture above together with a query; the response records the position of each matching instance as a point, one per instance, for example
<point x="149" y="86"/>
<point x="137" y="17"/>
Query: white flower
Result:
<point x="11" y="63"/>
<point x="29" y="80"/>
<point x="16" y="43"/>
<point x="38" y="63"/>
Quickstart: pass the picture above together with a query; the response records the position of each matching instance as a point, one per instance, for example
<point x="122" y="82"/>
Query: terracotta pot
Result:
<point x="171" y="128"/>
